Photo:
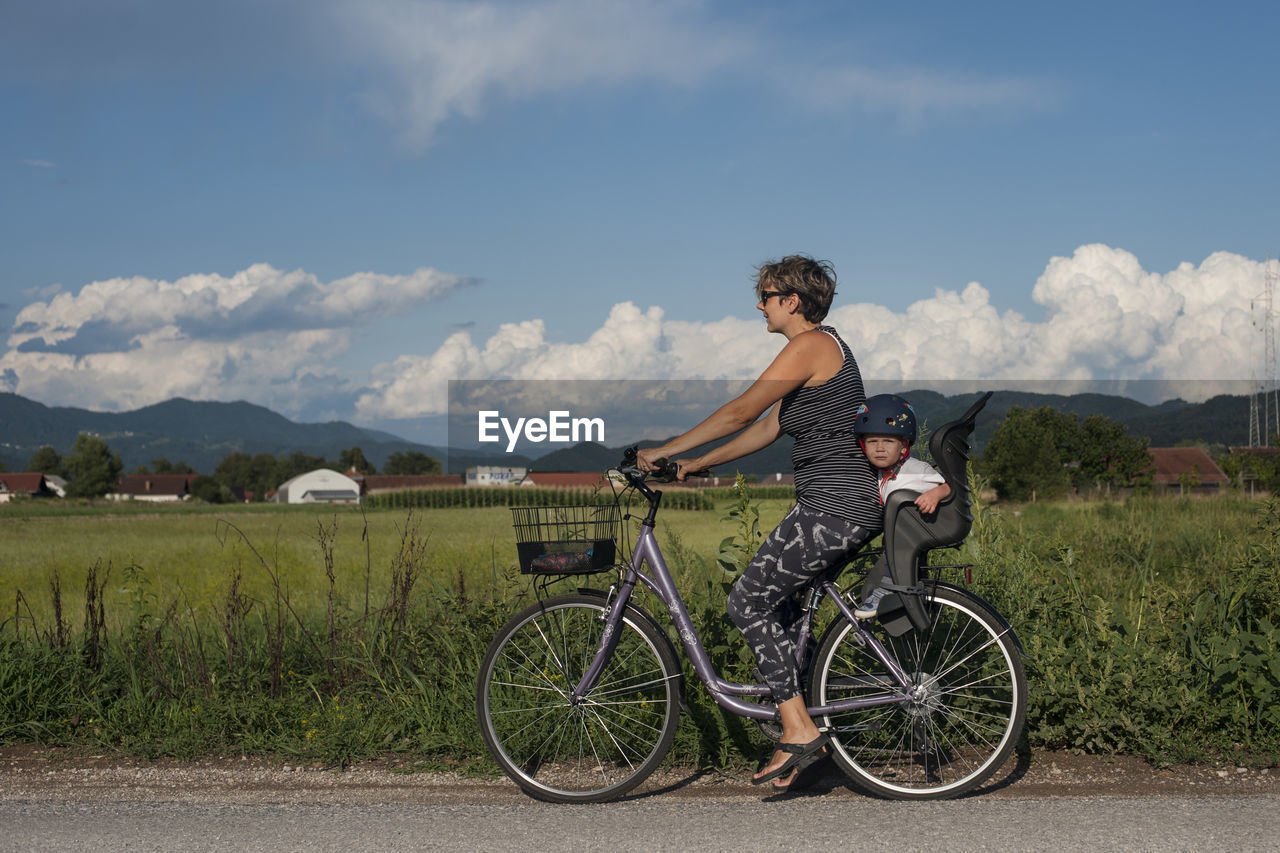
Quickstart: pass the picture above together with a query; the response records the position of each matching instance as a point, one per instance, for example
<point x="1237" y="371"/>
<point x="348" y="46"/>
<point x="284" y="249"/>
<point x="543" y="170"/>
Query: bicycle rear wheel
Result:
<point x="601" y="746"/>
<point x="967" y="711"/>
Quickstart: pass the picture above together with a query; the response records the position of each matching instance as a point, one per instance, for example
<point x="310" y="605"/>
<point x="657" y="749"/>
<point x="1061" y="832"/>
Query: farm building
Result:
<point x="57" y="484"/>
<point x="23" y="486"/>
<point x="376" y="484"/>
<point x="1187" y="469"/>
<point x="563" y="479"/>
<point x="319" y="486"/>
<point x="494" y="475"/>
<point x="152" y="487"/>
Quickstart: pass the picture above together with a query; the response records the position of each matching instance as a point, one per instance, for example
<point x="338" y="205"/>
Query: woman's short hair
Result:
<point x="813" y="281"/>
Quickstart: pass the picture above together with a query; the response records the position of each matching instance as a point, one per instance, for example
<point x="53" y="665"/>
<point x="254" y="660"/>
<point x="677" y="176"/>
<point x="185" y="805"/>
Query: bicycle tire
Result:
<point x="959" y="728"/>
<point x="608" y="742"/>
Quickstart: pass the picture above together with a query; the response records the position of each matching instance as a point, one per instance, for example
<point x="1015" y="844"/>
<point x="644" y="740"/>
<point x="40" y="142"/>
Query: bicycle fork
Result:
<point x="612" y="617"/>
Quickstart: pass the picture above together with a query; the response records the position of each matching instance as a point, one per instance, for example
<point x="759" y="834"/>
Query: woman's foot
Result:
<point x="790" y="758"/>
<point x="783" y="783"/>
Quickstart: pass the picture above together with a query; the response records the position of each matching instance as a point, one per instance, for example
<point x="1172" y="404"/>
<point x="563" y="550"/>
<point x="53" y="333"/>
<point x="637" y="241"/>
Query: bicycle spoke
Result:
<point x="580" y="749"/>
<point x="957" y="725"/>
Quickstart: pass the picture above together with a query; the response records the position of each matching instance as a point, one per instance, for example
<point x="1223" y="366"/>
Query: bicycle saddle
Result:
<point x="908" y="534"/>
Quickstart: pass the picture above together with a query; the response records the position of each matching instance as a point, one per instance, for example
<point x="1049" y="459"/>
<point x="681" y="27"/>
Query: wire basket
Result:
<point x="566" y="540"/>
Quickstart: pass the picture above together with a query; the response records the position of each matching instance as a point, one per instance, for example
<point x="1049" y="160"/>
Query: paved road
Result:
<point x="1057" y="824"/>
<point x="50" y="800"/>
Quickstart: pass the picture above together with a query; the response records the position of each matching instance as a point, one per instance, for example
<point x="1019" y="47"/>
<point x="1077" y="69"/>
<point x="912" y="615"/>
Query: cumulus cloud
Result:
<point x="257" y="334"/>
<point x="1106" y="318"/>
<point x="107" y="316"/>
<point x="274" y="338"/>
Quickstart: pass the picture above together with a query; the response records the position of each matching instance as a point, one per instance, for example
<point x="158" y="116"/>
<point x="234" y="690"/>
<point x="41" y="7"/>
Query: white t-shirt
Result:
<point x="915" y="474"/>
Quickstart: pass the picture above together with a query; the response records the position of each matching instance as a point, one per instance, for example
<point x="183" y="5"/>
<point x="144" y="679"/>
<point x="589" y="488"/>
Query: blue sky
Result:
<point x="331" y="207"/>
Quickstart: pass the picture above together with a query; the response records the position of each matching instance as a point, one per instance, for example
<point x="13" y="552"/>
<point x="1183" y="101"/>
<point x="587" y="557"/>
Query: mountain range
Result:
<point x="200" y="434"/>
<point x="203" y="433"/>
<point x="1222" y="420"/>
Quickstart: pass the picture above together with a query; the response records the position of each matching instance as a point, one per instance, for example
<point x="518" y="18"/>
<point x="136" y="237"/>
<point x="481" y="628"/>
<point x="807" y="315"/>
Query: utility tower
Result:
<point x="1264" y="401"/>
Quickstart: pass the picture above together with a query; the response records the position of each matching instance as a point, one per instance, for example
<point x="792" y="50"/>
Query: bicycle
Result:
<point x="579" y="695"/>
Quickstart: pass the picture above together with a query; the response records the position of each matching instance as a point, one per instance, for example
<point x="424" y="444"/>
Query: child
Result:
<point x="886" y="429"/>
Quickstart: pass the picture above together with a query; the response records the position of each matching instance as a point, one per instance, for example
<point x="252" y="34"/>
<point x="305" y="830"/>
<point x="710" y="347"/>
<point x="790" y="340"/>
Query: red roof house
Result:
<point x="153" y="487"/>
<point x="1191" y="466"/>
<point x="563" y="479"/>
<point x="373" y="484"/>
<point x="23" y="485"/>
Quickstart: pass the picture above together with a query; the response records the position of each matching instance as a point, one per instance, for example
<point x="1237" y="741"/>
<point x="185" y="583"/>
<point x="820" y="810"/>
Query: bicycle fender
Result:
<point x="1004" y="623"/>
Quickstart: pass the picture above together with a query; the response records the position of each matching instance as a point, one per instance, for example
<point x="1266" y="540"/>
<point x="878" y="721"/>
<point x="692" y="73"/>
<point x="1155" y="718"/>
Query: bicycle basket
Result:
<point x="566" y="540"/>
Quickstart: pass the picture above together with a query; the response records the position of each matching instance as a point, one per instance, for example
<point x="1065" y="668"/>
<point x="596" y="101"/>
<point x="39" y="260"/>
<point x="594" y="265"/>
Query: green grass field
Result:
<point x="191" y="551"/>
<point x="1150" y="625"/>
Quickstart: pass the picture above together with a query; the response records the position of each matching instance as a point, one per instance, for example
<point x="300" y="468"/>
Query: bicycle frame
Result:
<point x="726" y="694"/>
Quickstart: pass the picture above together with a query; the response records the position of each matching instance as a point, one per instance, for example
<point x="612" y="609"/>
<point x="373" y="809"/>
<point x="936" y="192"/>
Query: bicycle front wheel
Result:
<point x="598" y="747"/>
<point x="965" y="714"/>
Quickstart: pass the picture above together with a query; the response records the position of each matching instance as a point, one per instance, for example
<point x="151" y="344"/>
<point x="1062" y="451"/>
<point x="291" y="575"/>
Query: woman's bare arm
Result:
<point x="800" y="360"/>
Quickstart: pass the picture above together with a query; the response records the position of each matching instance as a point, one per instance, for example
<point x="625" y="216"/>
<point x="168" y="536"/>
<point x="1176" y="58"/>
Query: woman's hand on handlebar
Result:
<point x="654" y="461"/>
<point x="650" y="459"/>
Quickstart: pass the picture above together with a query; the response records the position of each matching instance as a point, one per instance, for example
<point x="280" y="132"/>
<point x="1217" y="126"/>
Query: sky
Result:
<point x="333" y="207"/>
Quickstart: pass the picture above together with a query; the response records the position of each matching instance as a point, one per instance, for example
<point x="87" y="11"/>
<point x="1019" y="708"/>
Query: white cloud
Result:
<point x="261" y="298"/>
<point x="274" y="337"/>
<point x="258" y="334"/>
<point x="423" y="62"/>
<point x="455" y="58"/>
<point x="437" y="60"/>
<point x="1105" y="319"/>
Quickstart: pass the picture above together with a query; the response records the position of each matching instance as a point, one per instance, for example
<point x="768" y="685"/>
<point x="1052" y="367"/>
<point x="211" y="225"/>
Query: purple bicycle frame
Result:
<point x="726" y="694"/>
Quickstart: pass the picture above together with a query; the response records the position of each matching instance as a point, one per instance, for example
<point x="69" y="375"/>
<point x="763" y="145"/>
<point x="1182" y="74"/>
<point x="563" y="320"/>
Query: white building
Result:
<point x="494" y="475"/>
<point x="320" y="485"/>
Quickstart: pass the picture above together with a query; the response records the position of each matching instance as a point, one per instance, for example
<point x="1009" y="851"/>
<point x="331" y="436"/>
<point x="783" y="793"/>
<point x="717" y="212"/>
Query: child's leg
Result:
<point x="873" y="589"/>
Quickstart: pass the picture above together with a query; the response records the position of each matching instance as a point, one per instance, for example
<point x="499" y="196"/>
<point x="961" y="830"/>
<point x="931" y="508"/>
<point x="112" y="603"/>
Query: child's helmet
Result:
<point x="886" y="414"/>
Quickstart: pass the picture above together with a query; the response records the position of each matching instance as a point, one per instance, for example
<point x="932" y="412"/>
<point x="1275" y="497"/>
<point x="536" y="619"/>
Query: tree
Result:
<point x="46" y="461"/>
<point x="258" y="474"/>
<point x="164" y="466"/>
<point x="410" y="462"/>
<point x="1109" y="456"/>
<point x="354" y="458"/>
<point x="210" y="490"/>
<point x="1037" y="453"/>
<point x="92" y="469"/>
<point x="1024" y="459"/>
<point x="299" y="463"/>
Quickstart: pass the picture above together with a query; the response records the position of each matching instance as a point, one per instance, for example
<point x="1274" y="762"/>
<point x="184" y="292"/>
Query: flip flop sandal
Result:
<point x="802" y="755"/>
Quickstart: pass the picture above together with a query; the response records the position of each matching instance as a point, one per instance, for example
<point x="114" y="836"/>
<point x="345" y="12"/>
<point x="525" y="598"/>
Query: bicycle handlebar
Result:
<point x="666" y="470"/>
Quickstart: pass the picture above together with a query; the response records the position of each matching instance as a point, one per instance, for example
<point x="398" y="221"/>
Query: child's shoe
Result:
<point x="869" y="608"/>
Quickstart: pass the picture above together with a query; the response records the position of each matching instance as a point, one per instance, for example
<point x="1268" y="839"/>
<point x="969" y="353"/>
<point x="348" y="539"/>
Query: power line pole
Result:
<point x="1261" y="429"/>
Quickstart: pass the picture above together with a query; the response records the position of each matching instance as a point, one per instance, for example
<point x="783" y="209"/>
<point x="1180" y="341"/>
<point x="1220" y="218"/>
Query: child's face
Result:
<point x="884" y="451"/>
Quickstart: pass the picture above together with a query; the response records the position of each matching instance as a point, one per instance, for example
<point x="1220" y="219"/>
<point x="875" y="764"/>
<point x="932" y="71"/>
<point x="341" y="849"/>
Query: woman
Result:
<point x="810" y="392"/>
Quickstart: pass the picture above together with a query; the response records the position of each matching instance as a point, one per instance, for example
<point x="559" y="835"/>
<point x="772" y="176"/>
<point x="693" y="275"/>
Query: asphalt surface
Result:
<point x="1061" y="824"/>
<point x="50" y="800"/>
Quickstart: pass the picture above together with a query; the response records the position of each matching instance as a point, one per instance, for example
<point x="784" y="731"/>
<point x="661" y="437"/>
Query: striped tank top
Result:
<point x="832" y="473"/>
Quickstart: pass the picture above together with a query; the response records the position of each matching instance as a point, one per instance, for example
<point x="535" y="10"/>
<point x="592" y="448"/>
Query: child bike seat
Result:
<point x="909" y="534"/>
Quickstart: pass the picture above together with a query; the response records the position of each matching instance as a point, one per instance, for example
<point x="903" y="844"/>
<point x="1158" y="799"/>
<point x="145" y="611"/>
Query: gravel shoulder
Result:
<point x="41" y="774"/>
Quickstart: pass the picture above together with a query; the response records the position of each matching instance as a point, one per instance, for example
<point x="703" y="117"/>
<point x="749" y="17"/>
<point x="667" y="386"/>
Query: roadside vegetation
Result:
<point x="336" y="635"/>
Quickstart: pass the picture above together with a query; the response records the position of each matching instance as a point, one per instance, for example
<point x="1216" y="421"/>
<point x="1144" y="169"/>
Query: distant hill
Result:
<point x="1221" y="420"/>
<point x="200" y="434"/>
<point x="203" y="433"/>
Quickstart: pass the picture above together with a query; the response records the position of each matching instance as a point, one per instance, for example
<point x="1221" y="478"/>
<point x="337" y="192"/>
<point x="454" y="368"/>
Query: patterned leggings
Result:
<point x="764" y="602"/>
